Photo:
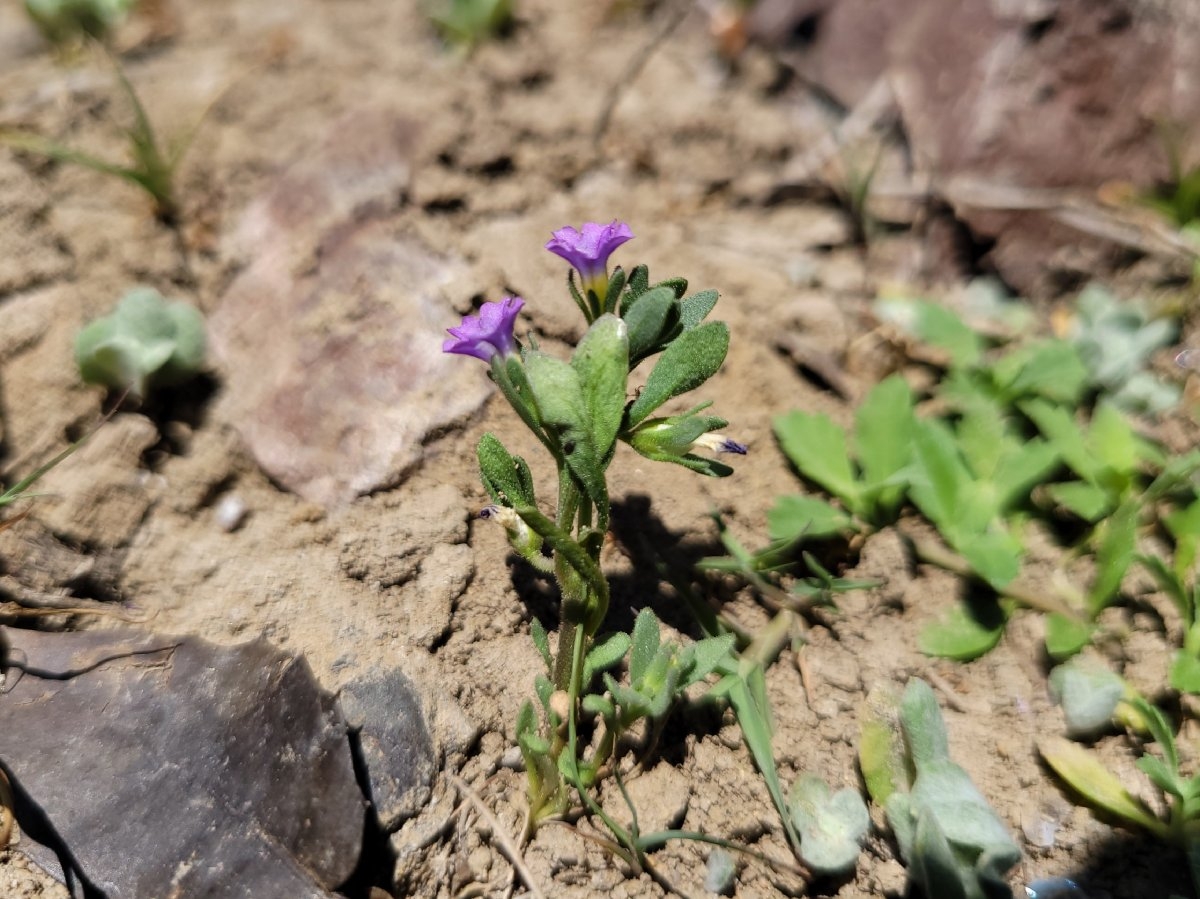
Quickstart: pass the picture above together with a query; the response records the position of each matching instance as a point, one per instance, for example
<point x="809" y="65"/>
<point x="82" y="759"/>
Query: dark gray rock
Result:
<point x="384" y="710"/>
<point x="171" y="766"/>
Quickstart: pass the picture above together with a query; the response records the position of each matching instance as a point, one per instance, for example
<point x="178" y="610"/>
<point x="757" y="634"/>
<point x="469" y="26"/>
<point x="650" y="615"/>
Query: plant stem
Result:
<point x="935" y="554"/>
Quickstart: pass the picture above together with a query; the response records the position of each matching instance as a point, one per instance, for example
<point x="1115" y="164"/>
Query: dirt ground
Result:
<point x="506" y="146"/>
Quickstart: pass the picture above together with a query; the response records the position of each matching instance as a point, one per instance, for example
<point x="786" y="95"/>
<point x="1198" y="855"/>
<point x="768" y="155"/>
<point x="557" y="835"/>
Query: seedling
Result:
<point x="145" y="343"/>
<point x="152" y="167"/>
<point x="578" y="411"/>
<point x="1084" y="773"/>
<point x="870" y="480"/>
<point x="953" y="843"/>
<point x="67" y="23"/>
<point x="467" y="23"/>
<point x="832" y="826"/>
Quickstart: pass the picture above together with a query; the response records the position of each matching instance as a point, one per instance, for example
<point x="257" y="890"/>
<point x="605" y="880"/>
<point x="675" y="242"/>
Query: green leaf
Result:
<point x="1112" y="439"/>
<point x="645" y="645"/>
<point x="1050" y="369"/>
<point x="795" y="517"/>
<point x="604" y="655"/>
<point x="1088" y="777"/>
<point x="694" y="309"/>
<point x="939" y="476"/>
<point x="1087" y="501"/>
<point x="883" y="439"/>
<point x="1061" y="429"/>
<point x="832" y="825"/>
<point x="882" y="756"/>
<point x="817" y="447"/>
<point x="1185" y="672"/>
<point x="1184" y="526"/>
<point x="542" y="641"/>
<point x="563" y="411"/>
<point x="965" y="631"/>
<point x="691" y="359"/>
<point x="942" y="328"/>
<point x="648" y="320"/>
<point x="994" y="555"/>
<point x="707" y="654"/>
<point x="506" y="478"/>
<point x="924" y="729"/>
<point x="1066" y="636"/>
<point x="1017" y="472"/>
<point x="602" y="362"/>
<point x="1114" y="555"/>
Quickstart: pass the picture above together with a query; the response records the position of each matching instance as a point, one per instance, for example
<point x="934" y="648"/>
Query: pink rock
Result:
<point x="330" y="339"/>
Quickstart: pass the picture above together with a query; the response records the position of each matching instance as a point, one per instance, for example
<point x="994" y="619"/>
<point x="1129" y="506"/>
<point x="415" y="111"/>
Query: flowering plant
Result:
<point x="579" y="412"/>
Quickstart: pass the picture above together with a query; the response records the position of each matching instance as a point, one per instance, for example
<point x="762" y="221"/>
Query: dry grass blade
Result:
<point x="506" y="844"/>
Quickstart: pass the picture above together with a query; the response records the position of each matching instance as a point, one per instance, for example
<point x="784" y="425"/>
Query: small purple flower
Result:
<point x="588" y="250"/>
<point x="486" y="334"/>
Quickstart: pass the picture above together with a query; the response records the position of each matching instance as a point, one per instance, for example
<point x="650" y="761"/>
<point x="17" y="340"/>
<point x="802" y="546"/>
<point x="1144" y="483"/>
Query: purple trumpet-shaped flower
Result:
<point x="488" y="333"/>
<point x="588" y="250"/>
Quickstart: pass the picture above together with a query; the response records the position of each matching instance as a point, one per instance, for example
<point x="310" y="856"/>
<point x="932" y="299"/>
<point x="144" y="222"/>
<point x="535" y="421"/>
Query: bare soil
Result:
<point x="509" y="144"/>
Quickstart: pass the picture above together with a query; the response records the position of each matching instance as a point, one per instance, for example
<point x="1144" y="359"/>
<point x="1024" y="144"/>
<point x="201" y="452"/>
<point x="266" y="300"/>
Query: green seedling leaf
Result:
<point x="832" y="826"/>
<point x="145" y="342"/>
<point x="1185" y="673"/>
<point x="649" y="319"/>
<point x="883" y="439"/>
<point x="1066" y="636"/>
<point x="995" y="556"/>
<point x="953" y="842"/>
<point x="604" y="656"/>
<point x="882" y="756"/>
<point x="940" y="479"/>
<point x="1184" y="526"/>
<point x="706" y="656"/>
<point x="1087" y="501"/>
<point x="506" y="478"/>
<point x="1114" y="555"/>
<point x="602" y="361"/>
<point x="965" y="631"/>
<point x="1088" y="694"/>
<point x="1061" y="429"/>
<point x="691" y="359"/>
<point x="1051" y="369"/>
<point x="64" y="22"/>
<point x="465" y="23"/>
<point x="817" y="447"/>
<point x="694" y="309"/>
<point x="935" y="325"/>
<point x="1084" y="773"/>
<point x="797" y="517"/>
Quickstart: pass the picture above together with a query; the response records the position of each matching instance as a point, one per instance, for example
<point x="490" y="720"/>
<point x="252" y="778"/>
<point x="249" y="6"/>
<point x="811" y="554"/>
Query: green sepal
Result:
<point x="577" y="296"/>
<point x="616" y="284"/>
<point x="639" y="283"/>
<point x="690" y="360"/>
<point x="506" y="478"/>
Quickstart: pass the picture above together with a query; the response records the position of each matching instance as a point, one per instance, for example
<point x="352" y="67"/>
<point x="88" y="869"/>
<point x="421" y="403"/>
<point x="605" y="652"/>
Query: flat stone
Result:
<point x="168" y="765"/>
<point x="330" y="340"/>
<point x="385" y="711"/>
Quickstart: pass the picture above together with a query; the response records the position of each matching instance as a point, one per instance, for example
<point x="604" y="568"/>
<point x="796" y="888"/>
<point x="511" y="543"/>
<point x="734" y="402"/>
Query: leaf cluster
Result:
<point x="145" y="343"/>
<point x="953" y="843"/>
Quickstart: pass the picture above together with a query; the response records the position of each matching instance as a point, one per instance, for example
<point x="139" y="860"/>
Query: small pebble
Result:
<point x="231" y="512"/>
<point x="1054" y="888"/>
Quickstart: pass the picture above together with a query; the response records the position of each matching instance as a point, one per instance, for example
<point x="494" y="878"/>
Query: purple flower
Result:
<point x="588" y="250"/>
<point x="486" y="334"/>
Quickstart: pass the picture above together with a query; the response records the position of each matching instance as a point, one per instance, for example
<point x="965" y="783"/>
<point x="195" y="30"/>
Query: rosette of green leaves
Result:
<point x="146" y="342"/>
<point x="953" y="843"/>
